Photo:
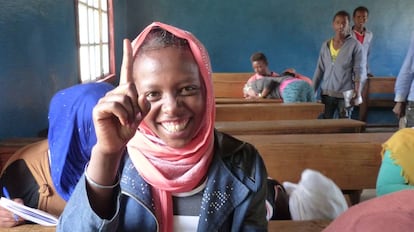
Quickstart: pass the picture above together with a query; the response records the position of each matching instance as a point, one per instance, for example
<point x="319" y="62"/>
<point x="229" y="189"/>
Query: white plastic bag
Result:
<point x="315" y="197"/>
<point x="348" y="96"/>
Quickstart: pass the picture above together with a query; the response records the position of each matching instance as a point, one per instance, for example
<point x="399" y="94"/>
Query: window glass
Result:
<point x="94" y="37"/>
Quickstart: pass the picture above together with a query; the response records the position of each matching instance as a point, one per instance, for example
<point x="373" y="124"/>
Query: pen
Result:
<point x="7" y="195"/>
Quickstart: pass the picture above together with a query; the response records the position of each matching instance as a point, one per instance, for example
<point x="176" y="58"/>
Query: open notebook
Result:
<point x="30" y="214"/>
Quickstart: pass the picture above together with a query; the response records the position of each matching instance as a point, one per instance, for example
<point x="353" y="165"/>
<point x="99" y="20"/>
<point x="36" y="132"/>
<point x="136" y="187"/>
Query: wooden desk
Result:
<point x="352" y="160"/>
<point x="306" y="126"/>
<point x="283" y="226"/>
<point x="29" y="228"/>
<point x="268" y="111"/>
<point x="231" y="76"/>
<point x="229" y="85"/>
<point x="298" y="226"/>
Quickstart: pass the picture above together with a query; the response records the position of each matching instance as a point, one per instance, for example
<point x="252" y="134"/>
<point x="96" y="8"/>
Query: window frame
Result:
<point x="110" y="77"/>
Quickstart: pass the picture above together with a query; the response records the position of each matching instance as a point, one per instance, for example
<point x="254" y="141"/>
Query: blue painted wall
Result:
<point x="290" y="32"/>
<point x="38" y="42"/>
<point x="38" y="57"/>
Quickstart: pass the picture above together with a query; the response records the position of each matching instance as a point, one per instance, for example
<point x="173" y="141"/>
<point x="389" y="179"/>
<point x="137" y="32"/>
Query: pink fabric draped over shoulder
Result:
<point x="173" y="170"/>
<point x="305" y="78"/>
<point x="391" y="212"/>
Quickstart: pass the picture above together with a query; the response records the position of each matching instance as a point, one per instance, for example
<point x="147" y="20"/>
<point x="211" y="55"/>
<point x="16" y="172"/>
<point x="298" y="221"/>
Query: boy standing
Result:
<point x="364" y="36"/>
<point x="339" y="70"/>
<point x="361" y="33"/>
<point x="404" y="89"/>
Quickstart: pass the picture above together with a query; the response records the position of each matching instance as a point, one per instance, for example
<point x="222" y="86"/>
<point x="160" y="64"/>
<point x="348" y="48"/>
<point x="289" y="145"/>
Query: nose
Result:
<point x="171" y="104"/>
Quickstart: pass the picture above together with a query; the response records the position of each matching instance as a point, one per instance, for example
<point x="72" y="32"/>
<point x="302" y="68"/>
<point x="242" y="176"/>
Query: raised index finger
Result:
<point x="126" y="69"/>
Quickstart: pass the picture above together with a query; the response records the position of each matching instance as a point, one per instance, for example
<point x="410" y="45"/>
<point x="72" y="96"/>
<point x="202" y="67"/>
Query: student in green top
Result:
<point x="397" y="168"/>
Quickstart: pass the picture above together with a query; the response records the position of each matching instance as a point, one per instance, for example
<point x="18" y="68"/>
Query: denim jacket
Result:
<point x="236" y="183"/>
<point x="404" y="85"/>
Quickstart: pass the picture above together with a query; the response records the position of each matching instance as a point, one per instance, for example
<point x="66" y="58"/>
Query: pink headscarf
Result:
<point x="172" y="170"/>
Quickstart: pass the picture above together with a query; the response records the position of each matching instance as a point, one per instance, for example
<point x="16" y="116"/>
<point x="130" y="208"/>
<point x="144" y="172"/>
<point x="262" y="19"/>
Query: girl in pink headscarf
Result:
<point x="158" y="164"/>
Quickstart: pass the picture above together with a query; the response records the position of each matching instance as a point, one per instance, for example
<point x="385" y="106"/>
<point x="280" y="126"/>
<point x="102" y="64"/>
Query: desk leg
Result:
<point x="354" y="196"/>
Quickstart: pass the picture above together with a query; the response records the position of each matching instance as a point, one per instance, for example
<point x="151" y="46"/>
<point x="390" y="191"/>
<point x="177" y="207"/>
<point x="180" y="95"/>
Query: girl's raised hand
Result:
<point x="116" y="118"/>
<point x="119" y="113"/>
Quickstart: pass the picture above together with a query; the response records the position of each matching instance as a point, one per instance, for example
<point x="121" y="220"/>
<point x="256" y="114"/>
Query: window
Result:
<point x="95" y="40"/>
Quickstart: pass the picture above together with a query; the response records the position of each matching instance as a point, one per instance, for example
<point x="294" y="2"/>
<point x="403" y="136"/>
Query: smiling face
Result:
<point x="170" y="80"/>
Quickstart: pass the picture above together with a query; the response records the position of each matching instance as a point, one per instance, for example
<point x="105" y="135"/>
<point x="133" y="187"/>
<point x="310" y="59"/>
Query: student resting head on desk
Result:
<point x="158" y="164"/>
<point x="43" y="175"/>
<point x="290" y="86"/>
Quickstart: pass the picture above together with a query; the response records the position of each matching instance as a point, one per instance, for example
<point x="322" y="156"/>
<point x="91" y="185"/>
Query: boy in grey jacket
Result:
<point x="341" y="65"/>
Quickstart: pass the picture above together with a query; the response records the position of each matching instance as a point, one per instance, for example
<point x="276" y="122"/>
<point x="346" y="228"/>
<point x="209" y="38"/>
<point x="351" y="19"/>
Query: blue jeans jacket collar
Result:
<point x="222" y="194"/>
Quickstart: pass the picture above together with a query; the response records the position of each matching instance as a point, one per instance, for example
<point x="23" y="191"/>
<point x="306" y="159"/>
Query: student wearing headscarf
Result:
<point x="158" y="164"/>
<point x="397" y="167"/>
<point x="43" y="175"/>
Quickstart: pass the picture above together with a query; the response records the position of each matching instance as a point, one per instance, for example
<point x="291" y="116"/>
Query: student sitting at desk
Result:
<point x="397" y="167"/>
<point x="287" y="88"/>
<point x="43" y="175"/>
<point x="290" y="87"/>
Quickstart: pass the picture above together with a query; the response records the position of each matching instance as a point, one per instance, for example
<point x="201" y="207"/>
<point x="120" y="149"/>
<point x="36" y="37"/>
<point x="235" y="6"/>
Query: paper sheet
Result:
<point x="35" y="215"/>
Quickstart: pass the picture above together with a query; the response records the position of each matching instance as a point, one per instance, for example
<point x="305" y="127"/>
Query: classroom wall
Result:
<point x="290" y="32"/>
<point x="39" y="56"/>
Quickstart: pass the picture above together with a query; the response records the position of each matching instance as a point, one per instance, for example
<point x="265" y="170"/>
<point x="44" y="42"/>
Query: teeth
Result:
<point x="174" y="127"/>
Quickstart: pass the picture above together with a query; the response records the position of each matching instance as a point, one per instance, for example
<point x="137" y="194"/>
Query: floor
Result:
<point x="367" y="194"/>
<point x="380" y="129"/>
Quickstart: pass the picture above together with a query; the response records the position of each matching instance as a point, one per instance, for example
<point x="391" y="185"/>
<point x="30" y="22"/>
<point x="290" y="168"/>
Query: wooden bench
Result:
<point x="231" y="76"/>
<point x="306" y="126"/>
<point x="351" y="160"/>
<point x="268" y="111"/>
<point x="377" y="92"/>
<point x="229" y="85"/>
<point x="225" y="100"/>
<point x="298" y="226"/>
